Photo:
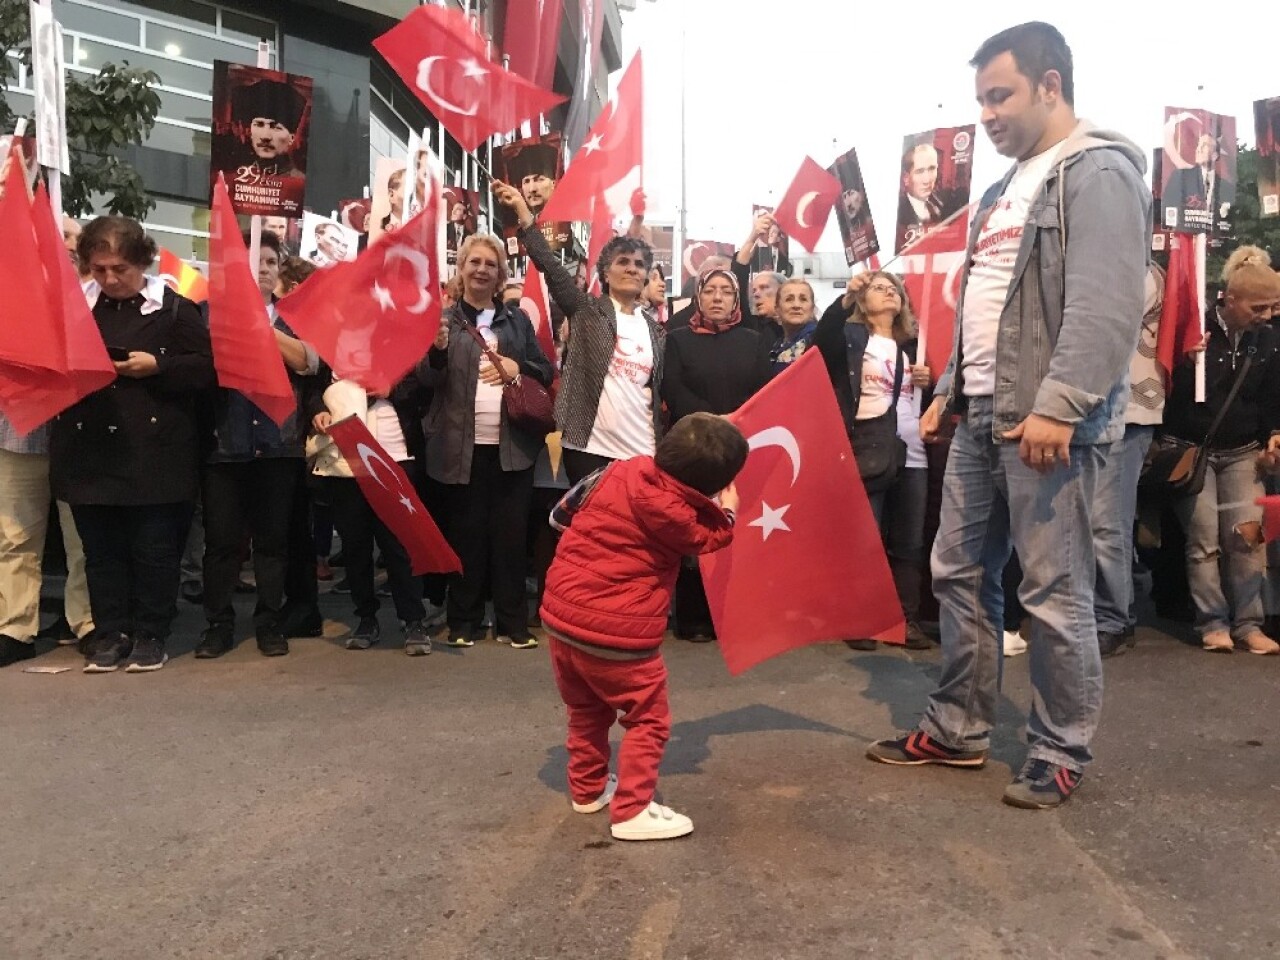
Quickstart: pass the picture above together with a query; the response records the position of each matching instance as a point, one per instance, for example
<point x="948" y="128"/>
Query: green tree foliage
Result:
<point x="105" y="114"/>
<point x="1248" y="224"/>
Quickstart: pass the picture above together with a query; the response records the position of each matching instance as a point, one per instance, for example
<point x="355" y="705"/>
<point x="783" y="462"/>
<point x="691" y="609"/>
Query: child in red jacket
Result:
<point x="605" y="604"/>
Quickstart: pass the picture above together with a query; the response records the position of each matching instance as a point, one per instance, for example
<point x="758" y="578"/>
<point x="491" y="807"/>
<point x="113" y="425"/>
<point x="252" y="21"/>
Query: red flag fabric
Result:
<point x="537" y="304"/>
<point x="245" y="353"/>
<point x="1180" y="330"/>
<point x="393" y="499"/>
<point x="806" y="563"/>
<point x="531" y="38"/>
<point x="183" y="277"/>
<point x="28" y="332"/>
<point x="445" y="62"/>
<point x="602" y="232"/>
<point x="807" y="204"/>
<point x="608" y="165"/>
<point x="373" y="318"/>
<point x="1270" y="517"/>
<point x="931" y="271"/>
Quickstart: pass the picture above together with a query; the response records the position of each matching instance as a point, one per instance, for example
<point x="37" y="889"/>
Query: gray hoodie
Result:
<point x="1074" y="306"/>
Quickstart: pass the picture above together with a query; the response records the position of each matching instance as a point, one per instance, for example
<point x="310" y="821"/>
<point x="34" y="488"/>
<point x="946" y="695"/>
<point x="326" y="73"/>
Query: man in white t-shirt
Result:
<point x="1051" y="304"/>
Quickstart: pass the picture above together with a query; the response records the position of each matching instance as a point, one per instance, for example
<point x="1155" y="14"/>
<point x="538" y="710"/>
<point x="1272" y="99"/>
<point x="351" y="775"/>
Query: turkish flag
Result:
<point x="931" y="271"/>
<point x="1270" y="517"/>
<point x="372" y="319"/>
<point x="389" y="492"/>
<point x="608" y="165"/>
<point x="806" y="563"/>
<point x="602" y="232"/>
<point x="531" y="37"/>
<point x="182" y="277"/>
<point x="807" y="204"/>
<point x="1181" y="326"/>
<point x="245" y="353"/>
<point x="441" y="58"/>
<point x="537" y="304"/>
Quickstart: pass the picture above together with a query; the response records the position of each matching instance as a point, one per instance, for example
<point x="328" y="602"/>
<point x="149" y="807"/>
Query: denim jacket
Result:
<point x="1074" y="307"/>
<point x="242" y="432"/>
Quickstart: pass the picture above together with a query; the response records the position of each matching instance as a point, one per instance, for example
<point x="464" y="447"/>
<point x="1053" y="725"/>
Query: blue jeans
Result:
<point x="1211" y="519"/>
<point x="1115" y="506"/>
<point x="992" y="502"/>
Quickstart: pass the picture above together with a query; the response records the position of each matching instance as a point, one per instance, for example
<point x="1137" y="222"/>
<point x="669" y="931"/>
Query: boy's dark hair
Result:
<point x="702" y="451"/>
<point x="119" y="235"/>
<point x="1037" y="48"/>
<point x="269" y="240"/>
<point x="616" y="246"/>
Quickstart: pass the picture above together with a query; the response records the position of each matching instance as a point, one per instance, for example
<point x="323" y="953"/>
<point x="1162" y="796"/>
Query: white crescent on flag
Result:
<point x="472" y="69"/>
<point x="779" y="437"/>
<point x="366" y="454"/>
<point x="421" y="272"/>
<point x="802" y="209"/>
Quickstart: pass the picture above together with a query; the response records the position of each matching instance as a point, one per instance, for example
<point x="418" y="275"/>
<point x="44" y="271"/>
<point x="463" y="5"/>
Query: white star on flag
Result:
<point x="594" y="144"/>
<point x="383" y="296"/>
<point x="471" y="67"/>
<point x="408" y="504"/>
<point x="771" y="519"/>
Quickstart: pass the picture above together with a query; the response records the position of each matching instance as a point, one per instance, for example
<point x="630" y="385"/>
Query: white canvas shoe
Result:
<point x="1013" y="643"/>
<point x="600" y="802"/>
<point x="654" y="823"/>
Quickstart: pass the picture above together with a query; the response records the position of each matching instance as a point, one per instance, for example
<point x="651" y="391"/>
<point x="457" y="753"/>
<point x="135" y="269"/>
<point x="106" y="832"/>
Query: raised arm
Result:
<point x="564" y="291"/>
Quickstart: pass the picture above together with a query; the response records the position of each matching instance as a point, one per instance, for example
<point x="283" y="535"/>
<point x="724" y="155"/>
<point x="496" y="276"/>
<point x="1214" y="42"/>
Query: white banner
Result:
<point x="51" y="93"/>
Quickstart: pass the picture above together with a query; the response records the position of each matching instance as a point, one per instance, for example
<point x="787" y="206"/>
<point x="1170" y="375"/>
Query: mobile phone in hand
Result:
<point x="119" y="354"/>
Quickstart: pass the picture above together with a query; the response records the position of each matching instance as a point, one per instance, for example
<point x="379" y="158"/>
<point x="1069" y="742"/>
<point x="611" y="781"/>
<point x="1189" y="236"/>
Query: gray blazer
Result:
<point x="452" y="373"/>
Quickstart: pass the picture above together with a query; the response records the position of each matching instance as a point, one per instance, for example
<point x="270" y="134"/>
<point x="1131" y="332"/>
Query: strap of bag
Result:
<point x="1231" y="397"/>
<point x="897" y="378"/>
<point x="493" y="357"/>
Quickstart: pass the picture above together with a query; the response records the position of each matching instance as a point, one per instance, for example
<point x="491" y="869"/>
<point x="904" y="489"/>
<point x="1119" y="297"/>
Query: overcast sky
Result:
<point x="765" y="88"/>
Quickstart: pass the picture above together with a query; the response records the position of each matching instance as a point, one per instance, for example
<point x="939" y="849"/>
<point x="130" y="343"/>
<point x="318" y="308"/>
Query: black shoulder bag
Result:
<point x="878" y="450"/>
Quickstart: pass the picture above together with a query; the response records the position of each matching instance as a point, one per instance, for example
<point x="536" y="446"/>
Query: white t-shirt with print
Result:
<point x="624" y="418"/>
<point x="488" y="396"/>
<point x="909" y="421"/>
<point x="991" y="271"/>
<point x="879" y="364"/>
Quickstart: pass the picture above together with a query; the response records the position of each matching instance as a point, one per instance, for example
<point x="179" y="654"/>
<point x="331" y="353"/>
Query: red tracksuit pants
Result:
<point x="597" y="693"/>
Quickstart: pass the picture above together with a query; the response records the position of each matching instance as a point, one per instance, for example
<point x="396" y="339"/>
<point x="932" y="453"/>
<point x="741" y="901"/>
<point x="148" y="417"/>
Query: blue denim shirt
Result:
<point x="243" y="432"/>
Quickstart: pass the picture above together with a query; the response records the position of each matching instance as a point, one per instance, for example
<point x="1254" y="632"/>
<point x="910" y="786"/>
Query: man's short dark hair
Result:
<point x="268" y="240"/>
<point x="617" y="246"/>
<point x="1037" y="48"/>
<point x="702" y="451"/>
<point x="119" y="235"/>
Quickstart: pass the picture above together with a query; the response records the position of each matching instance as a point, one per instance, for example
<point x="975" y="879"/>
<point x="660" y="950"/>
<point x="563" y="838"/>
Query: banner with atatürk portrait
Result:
<point x="261" y="121"/>
<point x="1199" y="171"/>
<point x="934" y="180"/>
<point x="1266" y="121"/>
<point x="857" y="229"/>
<point x="533" y="166"/>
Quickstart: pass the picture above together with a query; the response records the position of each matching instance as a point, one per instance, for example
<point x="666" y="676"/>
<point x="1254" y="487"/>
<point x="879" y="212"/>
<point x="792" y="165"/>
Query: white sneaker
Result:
<point x="600" y="802"/>
<point x="1013" y="643"/>
<point x="655" y="823"/>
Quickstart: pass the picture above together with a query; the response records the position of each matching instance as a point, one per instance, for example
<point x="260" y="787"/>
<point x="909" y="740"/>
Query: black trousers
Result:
<point x="693" y="615"/>
<point x="488" y="524"/>
<point x="254" y="497"/>
<point x="132" y="556"/>
<point x="359" y="527"/>
<point x="579" y="463"/>
<point x="435" y="497"/>
<point x="301" y="592"/>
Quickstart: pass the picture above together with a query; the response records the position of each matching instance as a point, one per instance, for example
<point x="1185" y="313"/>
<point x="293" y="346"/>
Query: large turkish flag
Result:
<point x="807" y="204"/>
<point x="389" y="492"/>
<point x="441" y="58"/>
<point x="806" y="563"/>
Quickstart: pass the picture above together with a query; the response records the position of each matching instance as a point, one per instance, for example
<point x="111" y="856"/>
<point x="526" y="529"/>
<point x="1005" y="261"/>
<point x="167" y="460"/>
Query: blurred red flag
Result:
<point x="807" y="204"/>
<point x="608" y="165"/>
<point x="245" y="353"/>
<point x="1270" y="517"/>
<point x="1180" y="328"/>
<point x="393" y="499"/>
<point x="183" y="277"/>
<point x="537" y="304"/>
<point x="806" y="563"/>
<point x="531" y="37"/>
<point x="931" y="270"/>
<point x="373" y="318"/>
<point x="441" y="58"/>
<point x="601" y="233"/>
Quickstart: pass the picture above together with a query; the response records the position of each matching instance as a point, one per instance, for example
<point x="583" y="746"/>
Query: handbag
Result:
<point x="1175" y="468"/>
<point x="525" y="401"/>
<point x="877" y="449"/>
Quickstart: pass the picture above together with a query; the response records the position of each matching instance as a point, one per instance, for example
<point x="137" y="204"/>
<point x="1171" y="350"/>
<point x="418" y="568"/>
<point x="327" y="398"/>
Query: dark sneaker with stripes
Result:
<point x="1042" y="784"/>
<point x="917" y="748"/>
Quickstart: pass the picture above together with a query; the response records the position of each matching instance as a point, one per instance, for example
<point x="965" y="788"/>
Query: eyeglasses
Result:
<point x="883" y="288"/>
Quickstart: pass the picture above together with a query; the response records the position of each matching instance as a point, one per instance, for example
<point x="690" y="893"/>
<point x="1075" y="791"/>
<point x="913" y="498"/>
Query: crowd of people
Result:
<point x="163" y="483"/>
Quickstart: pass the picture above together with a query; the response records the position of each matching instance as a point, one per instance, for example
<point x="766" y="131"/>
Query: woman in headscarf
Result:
<point x="714" y="365"/>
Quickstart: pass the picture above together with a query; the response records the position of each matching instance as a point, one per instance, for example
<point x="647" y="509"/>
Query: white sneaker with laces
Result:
<point x="602" y="801"/>
<point x="1013" y="643"/>
<point x="654" y="823"/>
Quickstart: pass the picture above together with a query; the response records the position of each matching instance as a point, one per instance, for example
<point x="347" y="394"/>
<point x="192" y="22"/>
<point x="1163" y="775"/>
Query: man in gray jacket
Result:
<point x="1050" y="306"/>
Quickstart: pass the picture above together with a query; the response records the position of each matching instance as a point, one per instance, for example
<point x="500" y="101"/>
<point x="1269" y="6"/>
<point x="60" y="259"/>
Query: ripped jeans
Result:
<point x="1224" y="520"/>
